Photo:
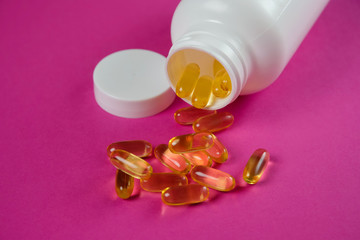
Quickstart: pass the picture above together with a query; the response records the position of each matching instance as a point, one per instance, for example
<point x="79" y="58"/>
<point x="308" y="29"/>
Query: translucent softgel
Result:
<point x="131" y="164"/>
<point x="159" y="181"/>
<point x="202" y="92"/>
<point x="186" y="83"/>
<point x="213" y="178"/>
<point x="191" y="142"/>
<point x="217" y="152"/>
<point x="124" y="184"/>
<point x="256" y="165"/>
<point x="214" y="122"/>
<point x="139" y="148"/>
<point x="175" y="162"/>
<point x="188" y="115"/>
<point x="186" y="194"/>
<point x="198" y="158"/>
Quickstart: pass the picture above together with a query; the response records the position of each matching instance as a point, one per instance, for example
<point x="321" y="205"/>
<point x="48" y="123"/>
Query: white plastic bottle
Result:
<point x="252" y="39"/>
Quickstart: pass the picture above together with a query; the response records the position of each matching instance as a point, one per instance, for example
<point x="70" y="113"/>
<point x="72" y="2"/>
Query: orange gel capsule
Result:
<point x="198" y="158"/>
<point x="191" y="142"/>
<point x="188" y="115"/>
<point x="256" y="165"/>
<point x="175" y="162"/>
<point x="159" y="181"/>
<point x="124" y="184"/>
<point x="202" y="92"/>
<point x="213" y="178"/>
<point x="217" y="152"/>
<point x="186" y="194"/>
<point x="222" y="84"/>
<point x="139" y="148"/>
<point x="214" y="122"/>
<point x="131" y="164"/>
<point x="186" y="83"/>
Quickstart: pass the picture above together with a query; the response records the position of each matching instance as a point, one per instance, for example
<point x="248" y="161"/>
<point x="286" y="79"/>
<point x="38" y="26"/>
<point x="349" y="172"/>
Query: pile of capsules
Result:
<point x="191" y="154"/>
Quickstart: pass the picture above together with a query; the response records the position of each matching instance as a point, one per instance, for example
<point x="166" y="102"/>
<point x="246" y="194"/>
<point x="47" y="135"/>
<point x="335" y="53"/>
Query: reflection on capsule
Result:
<point x="217" y="152"/>
<point x="202" y="92"/>
<point x="131" y="164"/>
<point x="173" y="161"/>
<point x="159" y="181"/>
<point x="214" y="122"/>
<point x="186" y="194"/>
<point x="213" y="178"/>
<point x="191" y="142"/>
<point x="124" y="184"/>
<point x="188" y="115"/>
<point x="198" y="158"/>
<point x="256" y="165"/>
<point x="139" y="148"/>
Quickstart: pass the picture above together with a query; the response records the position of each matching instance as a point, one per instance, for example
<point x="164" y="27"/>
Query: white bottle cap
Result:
<point x="132" y="83"/>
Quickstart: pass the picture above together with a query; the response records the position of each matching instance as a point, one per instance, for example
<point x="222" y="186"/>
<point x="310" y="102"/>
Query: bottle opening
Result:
<point x="199" y="78"/>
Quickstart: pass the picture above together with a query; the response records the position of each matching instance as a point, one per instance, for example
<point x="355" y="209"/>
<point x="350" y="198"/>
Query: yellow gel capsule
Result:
<point x="198" y="158"/>
<point x="124" y="184"/>
<point x="217" y="67"/>
<point x="256" y="165"/>
<point x="217" y="152"/>
<point x="159" y="181"/>
<point x="188" y="115"/>
<point x="222" y="84"/>
<point x="131" y="164"/>
<point x="173" y="161"/>
<point x="186" y="84"/>
<point x="202" y="92"/>
<point x="139" y="148"/>
<point x="186" y="194"/>
<point x="214" y="122"/>
<point x="213" y="178"/>
<point x="191" y="142"/>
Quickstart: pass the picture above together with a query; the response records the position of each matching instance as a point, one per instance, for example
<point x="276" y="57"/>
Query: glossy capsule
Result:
<point x="139" y="148"/>
<point x="217" y="67"/>
<point x="214" y="122"/>
<point x="198" y="158"/>
<point x="217" y="152"/>
<point x="188" y="115"/>
<point x="186" y="194"/>
<point x="222" y="84"/>
<point x="186" y="83"/>
<point x="124" y="184"/>
<point x="256" y="165"/>
<point x="131" y="164"/>
<point x="191" y="142"/>
<point x="175" y="162"/>
<point x="213" y="178"/>
<point x="159" y="181"/>
<point x="202" y="92"/>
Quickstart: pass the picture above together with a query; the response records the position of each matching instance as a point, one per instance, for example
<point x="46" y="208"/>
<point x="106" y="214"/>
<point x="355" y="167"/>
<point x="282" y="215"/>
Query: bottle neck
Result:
<point x="227" y="52"/>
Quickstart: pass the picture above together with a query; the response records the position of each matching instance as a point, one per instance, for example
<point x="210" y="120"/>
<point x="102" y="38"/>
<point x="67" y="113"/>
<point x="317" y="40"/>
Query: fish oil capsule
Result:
<point x="159" y="181"/>
<point x="256" y="165"/>
<point x="217" y="152"/>
<point x="186" y="194"/>
<point x="188" y="115"/>
<point x="191" y="142"/>
<point x="124" y="184"/>
<point x="222" y="84"/>
<point x="217" y="67"/>
<point x="214" y="122"/>
<point x="213" y="178"/>
<point x="139" y="148"/>
<point x="198" y="158"/>
<point x="202" y="92"/>
<point x="131" y="164"/>
<point x="186" y="83"/>
<point x="173" y="161"/>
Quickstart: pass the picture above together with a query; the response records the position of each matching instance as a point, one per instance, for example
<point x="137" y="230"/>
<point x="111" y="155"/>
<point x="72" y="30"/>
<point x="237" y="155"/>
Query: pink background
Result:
<point x="57" y="183"/>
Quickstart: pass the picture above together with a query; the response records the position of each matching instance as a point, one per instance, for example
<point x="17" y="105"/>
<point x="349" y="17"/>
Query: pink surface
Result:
<point x="57" y="183"/>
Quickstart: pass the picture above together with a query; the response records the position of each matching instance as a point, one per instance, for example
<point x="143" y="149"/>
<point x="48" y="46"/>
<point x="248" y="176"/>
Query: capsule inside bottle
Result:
<point x="186" y="194"/>
<point x="175" y="162"/>
<point x="202" y="92"/>
<point x="213" y="178"/>
<point x="159" y="181"/>
<point x="256" y="165"/>
<point x="139" y="148"/>
<point x="188" y="115"/>
<point x="131" y="164"/>
<point x="124" y="184"/>
<point x="214" y="122"/>
<point x="186" y="83"/>
<point x="191" y="142"/>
